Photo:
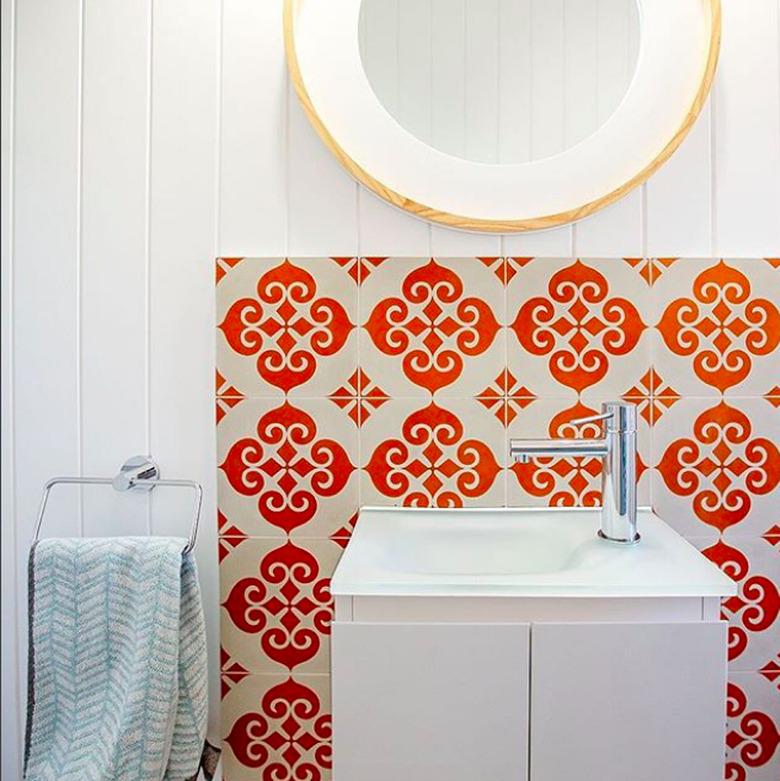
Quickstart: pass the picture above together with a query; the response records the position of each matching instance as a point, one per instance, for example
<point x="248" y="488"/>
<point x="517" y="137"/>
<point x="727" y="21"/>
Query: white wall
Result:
<point x="140" y="140"/>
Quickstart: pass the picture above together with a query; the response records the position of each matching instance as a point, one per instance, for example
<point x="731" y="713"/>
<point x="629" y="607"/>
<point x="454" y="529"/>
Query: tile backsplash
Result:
<point x="343" y="382"/>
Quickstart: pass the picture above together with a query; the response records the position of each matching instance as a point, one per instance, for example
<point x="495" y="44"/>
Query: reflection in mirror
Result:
<point x="500" y="81"/>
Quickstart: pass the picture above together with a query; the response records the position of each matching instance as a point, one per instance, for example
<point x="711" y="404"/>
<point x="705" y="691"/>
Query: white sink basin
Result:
<point x="518" y="552"/>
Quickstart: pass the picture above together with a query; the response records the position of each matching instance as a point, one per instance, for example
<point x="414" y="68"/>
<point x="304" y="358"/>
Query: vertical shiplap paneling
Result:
<point x="747" y="131"/>
<point x="384" y="230"/>
<point x="45" y="287"/>
<point x="414" y="110"/>
<point x="322" y="202"/>
<point x="46" y="297"/>
<point x="10" y="726"/>
<point x="448" y="91"/>
<point x="581" y="71"/>
<point x="547" y="86"/>
<point x="617" y="230"/>
<point x="514" y="85"/>
<point x="542" y="108"/>
<point x="450" y="28"/>
<point x="448" y="74"/>
<point x="183" y="243"/>
<point x="679" y="198"/>
<point x="380" y="23"/>
<point x="252" y="205"/>
<point x="114" y="220"/>
<point x="482" y="81"/>
<point x="322" y="197"/>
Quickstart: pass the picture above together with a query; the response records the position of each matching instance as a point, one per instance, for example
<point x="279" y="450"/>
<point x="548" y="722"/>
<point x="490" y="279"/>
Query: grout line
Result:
<point x="148" y="249"/>
<point x="79" y="268"/>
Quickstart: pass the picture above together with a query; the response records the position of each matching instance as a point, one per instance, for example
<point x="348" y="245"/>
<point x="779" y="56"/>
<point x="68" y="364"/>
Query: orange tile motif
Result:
<point x="578" y="326"/>
<point x="287" y="326"/>
<point x="721" y="466"/>
<point x="434" y="463"/>
<point x="433" y="326"/>
<point x="350" y="380"/>
<point x="722" y="327"/>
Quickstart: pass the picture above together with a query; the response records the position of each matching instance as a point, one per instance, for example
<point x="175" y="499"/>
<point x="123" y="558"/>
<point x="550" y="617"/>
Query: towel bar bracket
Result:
<point x="135" y="469"/>
<point x="139" y="473"/>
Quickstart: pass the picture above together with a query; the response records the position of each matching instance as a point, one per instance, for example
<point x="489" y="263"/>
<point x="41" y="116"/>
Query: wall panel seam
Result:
<point x="714" y="168"/>
<point x="148" y="245"/>
<point x="218" y="134"/>
<point x="79" y="268"/>
<point x="11" y="389"/>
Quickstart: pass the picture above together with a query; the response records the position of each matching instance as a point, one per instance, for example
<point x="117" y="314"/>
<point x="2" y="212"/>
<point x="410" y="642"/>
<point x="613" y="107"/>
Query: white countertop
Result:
<point x="520" y="552"/>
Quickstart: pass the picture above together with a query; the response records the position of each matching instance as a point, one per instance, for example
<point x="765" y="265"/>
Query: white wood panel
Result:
<point x="616" y="231"/>
<point x="556" y="243"/>
<point x="638" y="701"/>
<point x="461" y="244"/>
<point x="581" y="71"/>
<point x="322" y="206"/>
<point x="45" y="286"/>
<point x="385" y="230"/>
<point x="380" y="56"/>
<point x="253" y="85"/>
<point x="482" y="81"/>
<point x="10" y="718"/>
<point x="414" y="67"/>
<point x="183" y="243"/>
<point x="547" y="87"/>
<point x="114" y="255"/>
<point x="514" y="56"/>
<point x="679" y="216"/>
<point x="45" y="259"/>
<point x="425" y="701"/>
<point x="747" y="137"/>
<point x="448" y="74"/>
<point x="613" y="232"/>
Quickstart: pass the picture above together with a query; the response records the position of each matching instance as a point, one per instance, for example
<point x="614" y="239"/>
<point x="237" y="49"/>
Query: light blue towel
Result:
<point x="117" y="676"/>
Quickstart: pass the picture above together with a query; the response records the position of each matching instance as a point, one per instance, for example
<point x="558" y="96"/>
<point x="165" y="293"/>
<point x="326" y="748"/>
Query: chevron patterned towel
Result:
<point x="117" y="674"/>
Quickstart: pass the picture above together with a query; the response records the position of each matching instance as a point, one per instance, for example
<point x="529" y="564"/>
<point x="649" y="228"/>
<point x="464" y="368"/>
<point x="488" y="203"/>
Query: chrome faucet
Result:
<point x="618" y="477"/>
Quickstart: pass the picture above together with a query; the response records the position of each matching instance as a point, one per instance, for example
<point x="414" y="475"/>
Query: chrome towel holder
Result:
<point x="139" y="473"/>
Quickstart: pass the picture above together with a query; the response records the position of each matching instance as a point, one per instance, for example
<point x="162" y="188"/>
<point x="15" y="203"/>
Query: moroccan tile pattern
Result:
<point x="349" y="381"/>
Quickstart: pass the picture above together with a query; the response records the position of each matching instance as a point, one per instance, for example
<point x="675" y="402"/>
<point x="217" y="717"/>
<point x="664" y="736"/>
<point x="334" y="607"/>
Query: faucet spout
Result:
<point x="523" y="450"/>
<point x="618" y="475"/>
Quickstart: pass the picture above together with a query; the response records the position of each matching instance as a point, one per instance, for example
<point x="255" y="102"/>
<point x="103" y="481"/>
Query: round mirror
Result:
<point x="502" y="115"/>
<point x="500" y="81"/>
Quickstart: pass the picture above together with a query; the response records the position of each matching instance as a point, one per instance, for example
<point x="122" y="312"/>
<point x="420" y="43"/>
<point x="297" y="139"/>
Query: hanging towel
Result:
<point x="117" y="668"/>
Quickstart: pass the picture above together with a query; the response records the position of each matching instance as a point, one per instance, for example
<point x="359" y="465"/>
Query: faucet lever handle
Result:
<point x="592" y="419"/>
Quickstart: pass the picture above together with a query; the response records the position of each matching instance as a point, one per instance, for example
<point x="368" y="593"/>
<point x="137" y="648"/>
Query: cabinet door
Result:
<point x="430" y="702"/>
<point x="628" y="701"/>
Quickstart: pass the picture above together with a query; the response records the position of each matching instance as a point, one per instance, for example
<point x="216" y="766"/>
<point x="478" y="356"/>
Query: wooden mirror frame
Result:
<point x="680" y="44"/>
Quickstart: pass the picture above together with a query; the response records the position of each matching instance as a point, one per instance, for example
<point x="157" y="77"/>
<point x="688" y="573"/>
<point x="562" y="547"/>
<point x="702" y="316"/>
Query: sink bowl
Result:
<point x="518" y="552"/>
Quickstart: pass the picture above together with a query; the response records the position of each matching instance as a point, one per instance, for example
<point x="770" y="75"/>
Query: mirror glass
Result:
<point x="500" y="81"/>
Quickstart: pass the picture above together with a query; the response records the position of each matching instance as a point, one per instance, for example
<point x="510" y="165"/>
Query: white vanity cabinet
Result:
<point x="441" y="674"/>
